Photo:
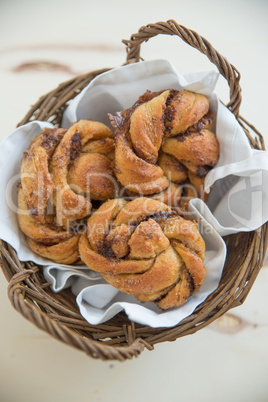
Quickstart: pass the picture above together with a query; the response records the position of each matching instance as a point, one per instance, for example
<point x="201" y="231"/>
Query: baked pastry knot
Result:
<point x="47" y="239"/>
<point x="61" y="172"/>
<point x="164" y="140"/>
<point x="144" y="248"/>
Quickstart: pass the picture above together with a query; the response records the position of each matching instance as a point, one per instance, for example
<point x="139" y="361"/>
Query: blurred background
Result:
<point x="45" y="43"/>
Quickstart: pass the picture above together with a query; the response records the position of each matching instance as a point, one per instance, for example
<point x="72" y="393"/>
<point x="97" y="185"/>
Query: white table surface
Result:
<point x="226" y="361"/>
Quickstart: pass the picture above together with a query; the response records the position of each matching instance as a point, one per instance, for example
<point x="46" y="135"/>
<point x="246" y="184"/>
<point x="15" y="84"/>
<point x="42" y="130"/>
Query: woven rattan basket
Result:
<point x="120" y="339"/>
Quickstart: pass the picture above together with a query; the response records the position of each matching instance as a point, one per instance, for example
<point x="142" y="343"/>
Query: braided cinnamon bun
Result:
<point x="62" y="171"/>
<point x="144" y="248"/>
<point x="164" y="140"/>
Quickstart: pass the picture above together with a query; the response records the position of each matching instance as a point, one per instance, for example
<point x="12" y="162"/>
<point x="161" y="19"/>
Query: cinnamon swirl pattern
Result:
<point x="161" y="154"/>
<point x="61" y="172"/>
<point x="165" y="146"/>
<point x="144" y="248"/>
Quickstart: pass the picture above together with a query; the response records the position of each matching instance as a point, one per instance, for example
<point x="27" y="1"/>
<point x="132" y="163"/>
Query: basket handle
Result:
<point x="171" y="27"/>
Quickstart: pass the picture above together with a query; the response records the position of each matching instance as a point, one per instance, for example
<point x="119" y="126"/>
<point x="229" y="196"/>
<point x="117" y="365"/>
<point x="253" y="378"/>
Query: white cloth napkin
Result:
<point x="238" y="200"/>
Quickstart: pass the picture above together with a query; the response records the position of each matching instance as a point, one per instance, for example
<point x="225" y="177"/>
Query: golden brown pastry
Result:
<point x="62" y="171"/>
<point x="144" y="248"/>
<point x="36" y="179"/>
<point x="47" y="239"/>
<point x="81" y="174"/>
<point x="165" y="138"/>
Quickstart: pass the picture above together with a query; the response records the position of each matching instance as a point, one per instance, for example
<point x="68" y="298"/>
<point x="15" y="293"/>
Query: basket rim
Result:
<point x="29" y="292"/>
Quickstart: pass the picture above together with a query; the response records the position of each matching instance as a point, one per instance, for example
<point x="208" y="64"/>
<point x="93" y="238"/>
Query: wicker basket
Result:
<point x="120" y="339"/>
